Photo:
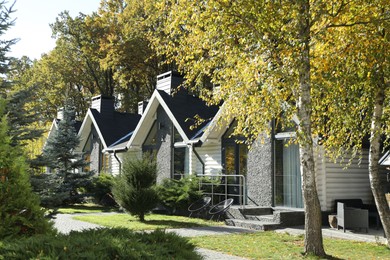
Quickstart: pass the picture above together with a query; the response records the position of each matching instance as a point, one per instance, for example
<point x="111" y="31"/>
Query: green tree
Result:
<point x="61" y="186"/>
<point x="356" y="61"/>
<point x="259" y="54"/>
<point x="134" y="189"/>
<point x="20" y="212"/>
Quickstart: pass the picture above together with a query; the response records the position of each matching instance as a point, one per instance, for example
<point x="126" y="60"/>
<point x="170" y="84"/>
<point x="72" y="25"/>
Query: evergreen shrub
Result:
<point x="134" y="190"/>
<point x="179" y="194"/>
<point x="101" y="189"/>
<point x="115" y="243"/>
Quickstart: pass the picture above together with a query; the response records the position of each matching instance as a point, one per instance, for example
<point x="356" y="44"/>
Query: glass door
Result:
<point x="288" y="184"/>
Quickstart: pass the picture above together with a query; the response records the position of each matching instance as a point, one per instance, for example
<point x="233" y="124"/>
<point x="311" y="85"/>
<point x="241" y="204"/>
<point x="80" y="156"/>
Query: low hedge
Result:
<point x="116" y="243"/>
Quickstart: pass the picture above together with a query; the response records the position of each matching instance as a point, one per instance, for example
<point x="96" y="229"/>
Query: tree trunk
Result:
<point x="313" y="223"/>
<point x="373" y="168"/>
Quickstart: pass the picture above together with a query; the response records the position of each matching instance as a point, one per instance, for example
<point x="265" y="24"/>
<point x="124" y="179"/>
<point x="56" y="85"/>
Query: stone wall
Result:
<point x="95" y="152"/>
<point x="259" y="175"/>
<point x="164" y="140"/>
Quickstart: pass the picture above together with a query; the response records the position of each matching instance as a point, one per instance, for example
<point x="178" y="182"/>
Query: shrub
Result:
<point x="116" y="243"/>
<point x="179" y="194"/>
<point x="101" y="189"/>
<point x="134" y="190"/>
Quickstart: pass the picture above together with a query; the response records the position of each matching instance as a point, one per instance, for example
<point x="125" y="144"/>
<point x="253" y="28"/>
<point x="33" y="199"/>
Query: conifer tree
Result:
<point x="60" y="187"/>
<point x="134" y="189"/>
<point x="20" y="212"/>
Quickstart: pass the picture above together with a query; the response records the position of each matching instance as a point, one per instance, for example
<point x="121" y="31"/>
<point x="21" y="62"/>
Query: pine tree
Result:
<point x="60" y="187"/>
<point x="20" y="212"/>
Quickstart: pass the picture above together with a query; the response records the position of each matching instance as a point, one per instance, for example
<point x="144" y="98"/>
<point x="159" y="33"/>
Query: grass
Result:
<point x="272" y="245"/>
<point x="85" y="208"/>
<point x="153" y="221"/>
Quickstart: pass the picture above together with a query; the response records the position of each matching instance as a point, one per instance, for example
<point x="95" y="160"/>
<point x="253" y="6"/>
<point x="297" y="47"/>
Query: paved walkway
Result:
<point x="65" y="223"/>
<point x="373" y="235"/>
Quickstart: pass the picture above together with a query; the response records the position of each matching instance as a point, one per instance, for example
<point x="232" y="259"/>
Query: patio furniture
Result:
<point x="220" y="208"/>
<point x="358" y="203"/>
<point x="351" y="217"/>
<point x="199" y="206"/>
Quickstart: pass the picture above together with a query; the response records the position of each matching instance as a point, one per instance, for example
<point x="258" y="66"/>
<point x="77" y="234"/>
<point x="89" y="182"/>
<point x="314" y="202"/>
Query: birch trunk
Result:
<point x="313" y="223"/>
<point x="373" y="167"/>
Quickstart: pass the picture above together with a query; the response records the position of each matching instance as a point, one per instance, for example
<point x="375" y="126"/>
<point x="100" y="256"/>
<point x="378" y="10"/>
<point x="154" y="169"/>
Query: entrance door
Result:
<point x="288" y="184"/>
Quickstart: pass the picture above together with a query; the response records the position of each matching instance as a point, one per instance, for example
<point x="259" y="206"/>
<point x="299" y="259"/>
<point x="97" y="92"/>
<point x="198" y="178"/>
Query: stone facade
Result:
<point x="164" y="147"/>
<point x="95" y="152"/>
<point x="259" y="174"/>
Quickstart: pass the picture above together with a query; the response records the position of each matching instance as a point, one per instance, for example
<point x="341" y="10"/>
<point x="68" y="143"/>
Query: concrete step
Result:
<point x="252" y="224"/>
<point x="262" y="218"/>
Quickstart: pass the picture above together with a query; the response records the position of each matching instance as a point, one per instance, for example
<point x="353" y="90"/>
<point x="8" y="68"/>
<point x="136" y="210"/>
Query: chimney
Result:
<point x="60" y="113"/>
<point x="169" y="81"/>
<point x="141" y="107"/>
<point x="105" y="105"/>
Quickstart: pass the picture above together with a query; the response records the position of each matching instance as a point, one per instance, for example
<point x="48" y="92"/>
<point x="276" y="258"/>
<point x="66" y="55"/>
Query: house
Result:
<point x="103" y="127"/>
<point x="266" y="175"/>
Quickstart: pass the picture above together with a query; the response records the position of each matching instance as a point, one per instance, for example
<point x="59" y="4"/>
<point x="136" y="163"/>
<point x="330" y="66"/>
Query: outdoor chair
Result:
<point x="220" y="208"/>
<point x="199" y="206"/>
<point x="351" y="217"/>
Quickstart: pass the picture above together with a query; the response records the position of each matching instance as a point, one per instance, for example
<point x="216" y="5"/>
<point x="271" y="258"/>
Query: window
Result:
<point x="180" y="162"/>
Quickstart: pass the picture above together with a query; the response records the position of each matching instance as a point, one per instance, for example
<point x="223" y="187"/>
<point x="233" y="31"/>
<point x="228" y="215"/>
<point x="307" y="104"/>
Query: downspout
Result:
<point x="199" y="158"/>
<point x="119" y="162"/>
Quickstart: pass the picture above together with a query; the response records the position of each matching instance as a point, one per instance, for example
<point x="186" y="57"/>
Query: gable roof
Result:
<point x="181" y="110"/>
<point x="112" y="128"/>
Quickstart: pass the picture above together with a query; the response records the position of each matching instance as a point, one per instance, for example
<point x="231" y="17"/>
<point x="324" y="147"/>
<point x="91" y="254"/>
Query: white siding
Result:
<point x="115" y="165"/>
<point x="211" y="157"/>
<point x="347" y="183"/>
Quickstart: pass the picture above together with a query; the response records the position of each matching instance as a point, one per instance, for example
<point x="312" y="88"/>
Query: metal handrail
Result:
<point x="242" y="185"/>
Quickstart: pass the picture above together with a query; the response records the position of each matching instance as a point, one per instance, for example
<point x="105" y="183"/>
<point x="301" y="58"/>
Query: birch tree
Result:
<point x="353" y="86"/>
<point x="259" y="54"/>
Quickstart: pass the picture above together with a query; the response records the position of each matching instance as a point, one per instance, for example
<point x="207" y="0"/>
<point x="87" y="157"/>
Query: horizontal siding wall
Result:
<point x="211" y="157"/>
<point x="347" y="183"/>
<point x="320" y="176"/>
<point x="115" y="165"/>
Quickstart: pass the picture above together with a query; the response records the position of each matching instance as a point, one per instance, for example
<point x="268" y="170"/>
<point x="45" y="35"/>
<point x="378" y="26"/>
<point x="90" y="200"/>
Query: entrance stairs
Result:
<point x="264" y="218"/>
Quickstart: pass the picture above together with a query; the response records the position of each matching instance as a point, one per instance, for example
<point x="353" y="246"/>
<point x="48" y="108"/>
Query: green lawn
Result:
<point x="153" y="221"/>
<point x="272" y="245"/>
<point x="260" y="245"/>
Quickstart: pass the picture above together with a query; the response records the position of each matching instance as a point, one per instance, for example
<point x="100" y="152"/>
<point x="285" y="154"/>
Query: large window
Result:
<point x="150" y="144"/>
<point x="180" y="162"/>
<point x="234" y="153"/>
<point x="288" y="190"/>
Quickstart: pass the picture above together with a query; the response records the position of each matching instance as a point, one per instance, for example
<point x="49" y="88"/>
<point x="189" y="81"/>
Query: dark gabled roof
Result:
<point x="115" y="126"/>
<point x="185" y="107"/>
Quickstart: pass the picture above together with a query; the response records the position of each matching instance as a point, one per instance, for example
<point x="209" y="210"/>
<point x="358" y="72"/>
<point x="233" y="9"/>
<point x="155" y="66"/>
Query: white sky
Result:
<point x="32" y="23"/>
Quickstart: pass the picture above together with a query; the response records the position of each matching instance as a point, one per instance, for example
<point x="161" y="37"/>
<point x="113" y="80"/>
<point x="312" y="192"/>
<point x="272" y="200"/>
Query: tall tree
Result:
<point x="60" y="187"/>
<point x="261" y="54"/>
<point x="58" y="151"/>
<point x="357" y="62"/>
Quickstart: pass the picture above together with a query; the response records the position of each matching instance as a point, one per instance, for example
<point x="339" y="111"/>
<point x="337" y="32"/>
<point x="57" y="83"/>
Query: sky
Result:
<point x="32" y="23"/>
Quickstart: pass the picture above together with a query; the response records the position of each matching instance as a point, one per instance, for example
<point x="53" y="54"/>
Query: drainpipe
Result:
<point x="119" y="163"/>
<point x="199" y="158"/>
